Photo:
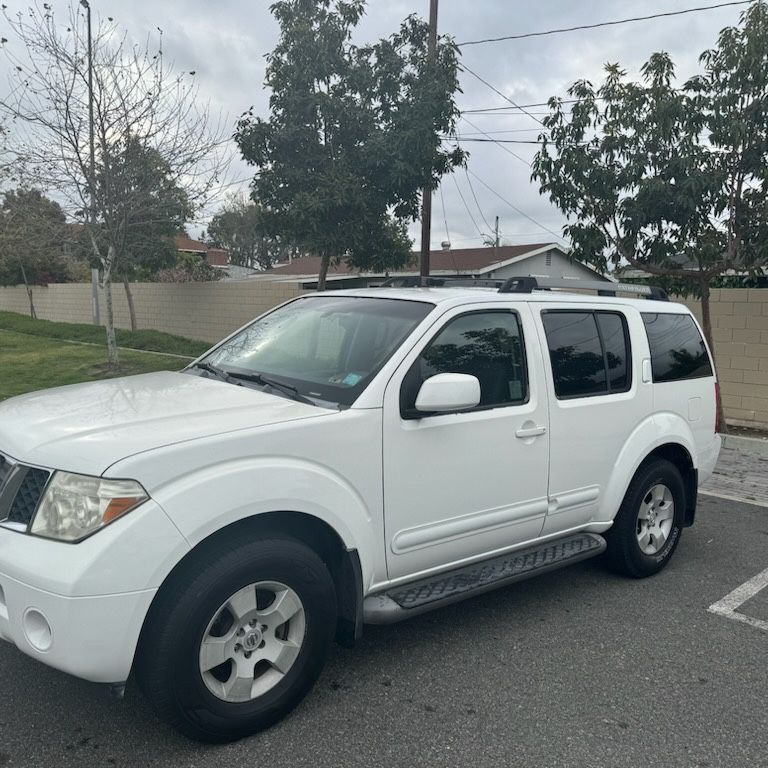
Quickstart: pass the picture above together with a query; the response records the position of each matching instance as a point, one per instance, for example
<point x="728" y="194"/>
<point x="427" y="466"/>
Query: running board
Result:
<point x="408" y="600"/>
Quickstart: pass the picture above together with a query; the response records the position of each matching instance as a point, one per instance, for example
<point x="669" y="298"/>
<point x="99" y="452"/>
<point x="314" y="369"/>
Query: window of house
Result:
<point x="589" y="352"/>
<point x="677" y="349"/>
<point x="487" y="345"/>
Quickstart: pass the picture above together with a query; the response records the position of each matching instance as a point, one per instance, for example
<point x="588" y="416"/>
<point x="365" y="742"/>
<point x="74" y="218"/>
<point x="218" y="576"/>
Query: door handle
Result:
<point x="524" y="432"/>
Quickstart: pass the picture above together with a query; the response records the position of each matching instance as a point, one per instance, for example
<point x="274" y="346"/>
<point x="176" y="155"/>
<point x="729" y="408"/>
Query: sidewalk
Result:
<point x="741" y="473"/>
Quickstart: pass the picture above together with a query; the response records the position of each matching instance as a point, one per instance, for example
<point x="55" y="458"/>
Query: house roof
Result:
<point x="467" y="260"/>
<point x="185" y="243"/>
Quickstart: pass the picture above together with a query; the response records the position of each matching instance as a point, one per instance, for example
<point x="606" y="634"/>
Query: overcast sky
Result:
<point x="225" y="42"/>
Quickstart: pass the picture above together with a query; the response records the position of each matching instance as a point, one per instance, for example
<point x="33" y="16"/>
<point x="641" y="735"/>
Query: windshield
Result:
<point x="327" y="347"/>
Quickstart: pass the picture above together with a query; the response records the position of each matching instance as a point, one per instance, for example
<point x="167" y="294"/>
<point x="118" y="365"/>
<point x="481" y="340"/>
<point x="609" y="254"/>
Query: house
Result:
<point x="538" y="259"/>
<point x="216" y="257"/>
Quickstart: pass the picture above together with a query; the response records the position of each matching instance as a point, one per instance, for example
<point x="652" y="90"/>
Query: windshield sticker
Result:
<point x="351" y="379"/>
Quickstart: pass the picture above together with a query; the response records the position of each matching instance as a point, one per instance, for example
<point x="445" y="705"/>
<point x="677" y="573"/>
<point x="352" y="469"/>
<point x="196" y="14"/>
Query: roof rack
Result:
<point x="454" y="281"/>
<point x="526" y="284"/>
<point x="530" y="284"/>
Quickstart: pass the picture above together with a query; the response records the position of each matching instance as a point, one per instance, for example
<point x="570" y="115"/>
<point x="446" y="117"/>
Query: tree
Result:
<point x="240" y="228"/>
<point x="142" y="111"/>
<point x="147" y="207"/>
<point x="352" y="135"/>
<point x="32" y="235"/>
<point x="189" y="268"/>
<point x="670" y="180"/>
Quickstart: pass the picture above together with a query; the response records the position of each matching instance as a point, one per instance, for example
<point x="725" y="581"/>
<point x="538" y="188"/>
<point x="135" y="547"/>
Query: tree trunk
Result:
<point x="324" y="264"/>
<point x="112" y="354"/>
<point x="706" y="322"/>
<point x="131" y="308"/>
<point x="32" y="312"/>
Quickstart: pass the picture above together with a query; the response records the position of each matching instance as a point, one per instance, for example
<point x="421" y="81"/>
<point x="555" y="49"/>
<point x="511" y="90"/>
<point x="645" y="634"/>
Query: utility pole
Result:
<point x="426" y="195"/>
<point x="496" y="240"/>
<point x="92" y="170"/>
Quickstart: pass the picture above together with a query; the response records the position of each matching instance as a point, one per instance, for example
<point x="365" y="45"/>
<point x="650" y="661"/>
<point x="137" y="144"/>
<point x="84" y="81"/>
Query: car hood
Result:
<point x="88" y="427"/>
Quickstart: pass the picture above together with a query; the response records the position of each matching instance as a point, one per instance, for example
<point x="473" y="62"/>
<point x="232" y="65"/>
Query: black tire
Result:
<point x="167" y="666"/>
<point x="624" y="554"/>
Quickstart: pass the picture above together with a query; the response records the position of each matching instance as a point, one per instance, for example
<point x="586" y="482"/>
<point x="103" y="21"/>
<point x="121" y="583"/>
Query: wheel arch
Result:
<point x="318" y="535"/>
<point x="680" y="457"/>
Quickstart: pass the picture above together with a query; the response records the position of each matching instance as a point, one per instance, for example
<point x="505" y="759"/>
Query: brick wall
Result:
<point x="205" y="311"/>
<point x="740" y="331"/>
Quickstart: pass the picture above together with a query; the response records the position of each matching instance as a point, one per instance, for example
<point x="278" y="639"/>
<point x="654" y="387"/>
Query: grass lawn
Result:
<point x="149" y="340"/>
<point x="28" y="363"/>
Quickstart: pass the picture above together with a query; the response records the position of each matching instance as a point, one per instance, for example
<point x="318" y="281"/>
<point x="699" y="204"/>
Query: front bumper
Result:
<point x="90" y="637"/>
<point x="80" y="607"/>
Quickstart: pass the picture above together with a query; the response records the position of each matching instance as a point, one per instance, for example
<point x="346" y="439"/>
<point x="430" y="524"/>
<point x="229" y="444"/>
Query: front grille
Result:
<point x="28" y="496"/>
<point x="5" y="469"/>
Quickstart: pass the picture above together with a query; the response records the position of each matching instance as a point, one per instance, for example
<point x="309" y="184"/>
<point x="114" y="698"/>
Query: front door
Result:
<point x="459" y="486"/>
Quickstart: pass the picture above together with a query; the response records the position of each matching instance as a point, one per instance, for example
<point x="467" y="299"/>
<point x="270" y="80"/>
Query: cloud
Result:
<point x="225" y="43"/>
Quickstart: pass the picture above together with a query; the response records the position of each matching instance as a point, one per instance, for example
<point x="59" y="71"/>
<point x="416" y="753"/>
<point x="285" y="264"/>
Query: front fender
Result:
<point x="203" y="502"/>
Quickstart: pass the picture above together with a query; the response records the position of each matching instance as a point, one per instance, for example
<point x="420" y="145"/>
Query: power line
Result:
<point x="498" y="143"/>
<point x="515" y="208"/>
<point x="603" y="23"/>
<point x="503" y="95"/>
<point x="521" y="106"/>
<point x="472" y="190"/>
<point x="445" y="218"/>
<point x="508" y="130"/>
<point x="472" y="218"/>
<point x="491" y="140"/>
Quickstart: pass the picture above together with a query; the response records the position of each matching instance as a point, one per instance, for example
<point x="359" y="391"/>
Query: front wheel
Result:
<point x="647" y="528"/>
<point x="237" y="647"/>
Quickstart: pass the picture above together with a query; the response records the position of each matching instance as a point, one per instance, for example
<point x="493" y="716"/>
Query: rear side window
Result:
<point x="677" y="350"/>
<point x="589" y="351"/>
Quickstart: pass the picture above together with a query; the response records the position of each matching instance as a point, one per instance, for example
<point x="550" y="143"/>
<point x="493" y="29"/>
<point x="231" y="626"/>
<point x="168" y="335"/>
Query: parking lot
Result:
<point x="577" y="668"/>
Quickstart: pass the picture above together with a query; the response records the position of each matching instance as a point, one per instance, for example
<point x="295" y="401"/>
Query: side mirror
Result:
<point x="448" y="392"/>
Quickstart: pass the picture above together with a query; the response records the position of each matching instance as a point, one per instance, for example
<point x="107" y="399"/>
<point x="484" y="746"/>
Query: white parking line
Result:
<point x="733" y="600"/>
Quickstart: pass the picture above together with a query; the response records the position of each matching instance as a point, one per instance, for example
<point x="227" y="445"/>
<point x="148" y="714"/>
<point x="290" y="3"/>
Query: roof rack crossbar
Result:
<point x="529" y="284"/>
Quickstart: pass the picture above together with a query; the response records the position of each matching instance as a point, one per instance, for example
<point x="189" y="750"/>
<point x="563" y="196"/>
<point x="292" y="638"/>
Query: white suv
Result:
<point x="348" y="457"/>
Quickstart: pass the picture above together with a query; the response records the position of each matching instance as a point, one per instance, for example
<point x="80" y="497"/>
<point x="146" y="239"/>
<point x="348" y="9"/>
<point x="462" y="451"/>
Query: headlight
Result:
<point x="74" y="506"/>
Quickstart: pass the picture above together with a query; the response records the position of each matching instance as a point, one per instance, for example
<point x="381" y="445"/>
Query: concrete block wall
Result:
<point x="205" y="311"/>
<point x="740" y="331"/>
<point x="210" y="311"/>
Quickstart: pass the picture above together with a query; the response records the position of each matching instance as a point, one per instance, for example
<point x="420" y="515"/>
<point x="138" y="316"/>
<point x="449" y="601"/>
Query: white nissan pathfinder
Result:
<point x="348" y="457"/>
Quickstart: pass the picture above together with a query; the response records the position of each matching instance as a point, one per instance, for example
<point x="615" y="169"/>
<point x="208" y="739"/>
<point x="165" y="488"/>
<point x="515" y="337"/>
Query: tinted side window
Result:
<point x="677" y="349"/>
<point x="577" y="357"/>
<point x="488" y="345"/>
<point x="589" y="352"/>
<point x="614" y="334"/>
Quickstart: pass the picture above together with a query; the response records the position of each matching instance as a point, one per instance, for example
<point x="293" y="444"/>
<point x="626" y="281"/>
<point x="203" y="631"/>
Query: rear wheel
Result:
<point x="649" y="523"/>
<point x="237" y="647"/>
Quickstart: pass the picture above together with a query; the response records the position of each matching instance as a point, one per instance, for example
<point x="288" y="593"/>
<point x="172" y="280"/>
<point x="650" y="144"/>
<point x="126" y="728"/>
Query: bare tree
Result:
<point x="136" y="97"/>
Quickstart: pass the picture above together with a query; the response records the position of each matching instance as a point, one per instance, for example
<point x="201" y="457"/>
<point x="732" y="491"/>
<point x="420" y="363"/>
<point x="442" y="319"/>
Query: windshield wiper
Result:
<point x="286" y="389"/>
<point x="219" y="373"/>
<point x="233" y="377"/>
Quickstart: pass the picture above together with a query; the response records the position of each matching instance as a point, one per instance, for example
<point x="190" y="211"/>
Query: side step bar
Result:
<point x="409" y="600"/>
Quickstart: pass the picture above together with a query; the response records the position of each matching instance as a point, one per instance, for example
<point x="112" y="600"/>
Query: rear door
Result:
<point x="597" y="398"/>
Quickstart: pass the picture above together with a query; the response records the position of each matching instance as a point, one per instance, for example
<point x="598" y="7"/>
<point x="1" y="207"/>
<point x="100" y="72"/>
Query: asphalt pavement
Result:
<point x="575" y="668"/>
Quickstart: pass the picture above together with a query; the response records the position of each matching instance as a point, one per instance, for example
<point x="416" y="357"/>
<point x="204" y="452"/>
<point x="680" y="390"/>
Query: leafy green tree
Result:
<point x="32" y="234"/>
<point x="239" y="228"/>
<point x="670" y="180"/>
<point x="353" y="133"/>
